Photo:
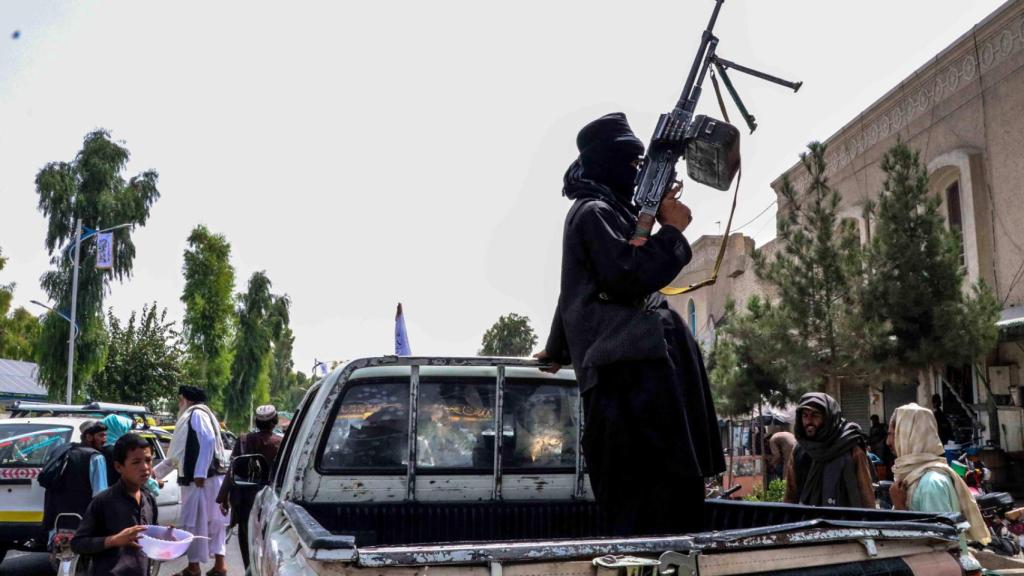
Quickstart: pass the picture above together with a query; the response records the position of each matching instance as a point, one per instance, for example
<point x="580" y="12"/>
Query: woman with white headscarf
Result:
<point x="924" y="482"/>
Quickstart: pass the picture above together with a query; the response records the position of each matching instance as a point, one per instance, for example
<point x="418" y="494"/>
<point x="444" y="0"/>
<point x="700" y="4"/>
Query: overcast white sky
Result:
<point x="366" y="153"/>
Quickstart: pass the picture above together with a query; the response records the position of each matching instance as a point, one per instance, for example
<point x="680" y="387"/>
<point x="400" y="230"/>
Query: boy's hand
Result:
<point x="127" y="537"/>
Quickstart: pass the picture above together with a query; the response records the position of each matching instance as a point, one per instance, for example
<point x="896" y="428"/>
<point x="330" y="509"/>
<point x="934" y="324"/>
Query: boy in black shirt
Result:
<point x="116" y="517"/>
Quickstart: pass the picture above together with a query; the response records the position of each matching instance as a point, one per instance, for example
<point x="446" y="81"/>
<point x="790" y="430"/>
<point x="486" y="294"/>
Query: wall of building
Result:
<point x="736" y="281"/>
<point x="964" y="112"/>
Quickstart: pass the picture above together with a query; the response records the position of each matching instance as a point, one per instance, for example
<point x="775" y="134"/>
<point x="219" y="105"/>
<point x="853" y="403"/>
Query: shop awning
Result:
<point x="1011" y="324"/>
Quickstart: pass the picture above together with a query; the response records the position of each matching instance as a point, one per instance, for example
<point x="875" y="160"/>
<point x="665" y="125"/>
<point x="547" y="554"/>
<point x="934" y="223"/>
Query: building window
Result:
<point x="691" y="316"/>
<point x="954" y="215"/>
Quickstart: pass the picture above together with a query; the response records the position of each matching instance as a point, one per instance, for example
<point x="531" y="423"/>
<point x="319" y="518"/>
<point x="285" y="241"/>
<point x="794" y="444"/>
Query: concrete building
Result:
<point x="703" y="309"/>
<point x="964" y="111"/>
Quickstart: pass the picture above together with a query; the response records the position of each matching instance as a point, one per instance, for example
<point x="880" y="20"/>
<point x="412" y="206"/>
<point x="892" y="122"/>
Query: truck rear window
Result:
<point x="455" y="426"/>
<point x="30" y="444"/>
<point x="544" y="417"/>
<point x="371" y="428"/>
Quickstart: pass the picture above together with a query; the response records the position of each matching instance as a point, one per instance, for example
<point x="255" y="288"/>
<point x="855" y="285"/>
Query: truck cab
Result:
<point x="472" y="465"/>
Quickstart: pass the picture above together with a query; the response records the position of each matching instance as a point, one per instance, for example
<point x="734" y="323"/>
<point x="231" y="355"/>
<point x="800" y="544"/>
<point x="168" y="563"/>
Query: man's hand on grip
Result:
<point x="549" y="366"/>
<point x="674" y="213"/>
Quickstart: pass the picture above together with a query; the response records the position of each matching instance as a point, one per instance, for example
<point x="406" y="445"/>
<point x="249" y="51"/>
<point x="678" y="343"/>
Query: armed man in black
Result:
<point x="650" y="434"/>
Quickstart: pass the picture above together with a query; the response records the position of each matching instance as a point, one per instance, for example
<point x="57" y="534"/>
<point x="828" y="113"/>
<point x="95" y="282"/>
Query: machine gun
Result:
<point x="710" y="146"/>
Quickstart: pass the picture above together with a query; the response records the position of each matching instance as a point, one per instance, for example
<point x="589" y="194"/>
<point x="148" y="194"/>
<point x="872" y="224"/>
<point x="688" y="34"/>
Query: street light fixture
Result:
<point x="73" y="332"/>
<point x="58" y="313"/>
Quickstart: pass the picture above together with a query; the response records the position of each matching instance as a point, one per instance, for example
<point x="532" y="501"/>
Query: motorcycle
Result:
<point x="997" y="509"/>
<point x="64" y="560"/>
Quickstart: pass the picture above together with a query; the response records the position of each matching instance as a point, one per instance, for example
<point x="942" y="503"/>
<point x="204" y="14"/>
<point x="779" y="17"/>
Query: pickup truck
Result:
<point x="390" y="468"/>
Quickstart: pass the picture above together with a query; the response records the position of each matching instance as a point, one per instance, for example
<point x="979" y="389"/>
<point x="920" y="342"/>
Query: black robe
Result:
<point x="651" y="434"/>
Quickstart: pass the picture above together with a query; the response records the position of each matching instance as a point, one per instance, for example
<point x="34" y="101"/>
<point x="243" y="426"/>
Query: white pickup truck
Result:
<point x="389" y="468"/>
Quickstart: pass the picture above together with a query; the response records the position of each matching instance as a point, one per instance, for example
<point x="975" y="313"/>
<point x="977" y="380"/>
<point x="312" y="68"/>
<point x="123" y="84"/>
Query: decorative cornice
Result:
<point x="925" y="89"/>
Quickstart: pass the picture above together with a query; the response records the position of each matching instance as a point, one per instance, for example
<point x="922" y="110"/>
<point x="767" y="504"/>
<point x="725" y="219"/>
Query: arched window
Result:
<point x="691" y="316"/>
<point x="954" y="214"/>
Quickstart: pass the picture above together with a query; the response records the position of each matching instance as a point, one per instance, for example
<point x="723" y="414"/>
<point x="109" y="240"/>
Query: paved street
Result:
<point x="234" y="562"/>
<point x="21" y="564"/>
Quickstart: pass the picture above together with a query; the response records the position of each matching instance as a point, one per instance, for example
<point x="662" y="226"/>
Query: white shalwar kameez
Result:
<point x="200" y="513"/>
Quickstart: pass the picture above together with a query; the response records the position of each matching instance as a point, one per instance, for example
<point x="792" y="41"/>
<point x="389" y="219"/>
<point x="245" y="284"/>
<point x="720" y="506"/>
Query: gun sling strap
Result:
<point x="673" y="290"/>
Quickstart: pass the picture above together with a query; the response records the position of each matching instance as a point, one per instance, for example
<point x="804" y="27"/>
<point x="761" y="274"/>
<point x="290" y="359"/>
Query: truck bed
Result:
<point x="405" y="523"/>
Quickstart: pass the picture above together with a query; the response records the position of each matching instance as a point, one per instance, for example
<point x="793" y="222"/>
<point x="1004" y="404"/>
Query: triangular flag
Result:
<point x="401" y="337"/>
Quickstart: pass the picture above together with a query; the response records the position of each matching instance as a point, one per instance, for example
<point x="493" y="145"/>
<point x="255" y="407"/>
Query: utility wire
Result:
<point x="751" y="221"/>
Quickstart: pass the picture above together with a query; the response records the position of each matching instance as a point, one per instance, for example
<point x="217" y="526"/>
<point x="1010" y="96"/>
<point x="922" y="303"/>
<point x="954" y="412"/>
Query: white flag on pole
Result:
<point x="105" y="250"/>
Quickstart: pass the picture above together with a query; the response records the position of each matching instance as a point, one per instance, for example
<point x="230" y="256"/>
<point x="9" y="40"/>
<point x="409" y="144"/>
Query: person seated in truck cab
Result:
<point x="545" y="434"/>
<point x="380" y="441"/>
<point x="441" y="442"/>
<point x="924" y="482"/>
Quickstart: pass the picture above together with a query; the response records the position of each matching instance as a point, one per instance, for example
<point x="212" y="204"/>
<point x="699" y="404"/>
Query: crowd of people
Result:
<point x="825" y="461"/>
<point x="110" y="480"/>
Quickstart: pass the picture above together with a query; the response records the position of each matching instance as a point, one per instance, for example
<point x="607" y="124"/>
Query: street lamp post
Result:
<point x="73" y="332"/>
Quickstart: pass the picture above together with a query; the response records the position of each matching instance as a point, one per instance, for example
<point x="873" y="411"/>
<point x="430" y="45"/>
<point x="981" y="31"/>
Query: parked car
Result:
<point x="28" y="409"/>
<point x="25" y="444"/>
<point x="390" y="467"/>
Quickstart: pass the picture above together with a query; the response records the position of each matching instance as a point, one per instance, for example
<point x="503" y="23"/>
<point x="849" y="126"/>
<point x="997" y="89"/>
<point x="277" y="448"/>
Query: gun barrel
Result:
<point x="705" y="41"/>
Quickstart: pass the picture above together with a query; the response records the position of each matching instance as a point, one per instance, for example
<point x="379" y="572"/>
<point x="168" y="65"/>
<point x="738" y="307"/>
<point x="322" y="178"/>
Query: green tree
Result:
<point x="818" y="277"/>
<point x="6" y="290"/>
<point x="915" y="281"/>
<point x="144" y="363"/>
<point x="289" y="400"/>
<point x="209" y="311"/>
<point x="90" y="187"/>
<point x="251" y="365"/>
<point x="282" y="375"/>
<point x="19" y="335"/>
<point x="748" y="363"/>
<point x="511" y="335"/>
<point x="19" y="330"/>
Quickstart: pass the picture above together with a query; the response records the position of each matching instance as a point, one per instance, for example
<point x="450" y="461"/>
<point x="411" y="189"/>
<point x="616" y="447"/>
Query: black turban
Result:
<point x="607" y="149"/>
<point x="192" y="393"/>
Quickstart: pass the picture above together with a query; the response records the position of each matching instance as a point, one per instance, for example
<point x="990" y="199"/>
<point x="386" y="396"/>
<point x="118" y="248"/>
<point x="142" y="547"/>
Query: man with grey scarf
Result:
<point x="829" y="466"/>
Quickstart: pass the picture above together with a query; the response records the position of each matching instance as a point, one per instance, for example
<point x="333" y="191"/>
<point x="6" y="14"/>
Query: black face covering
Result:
<point x="607" y="148"/>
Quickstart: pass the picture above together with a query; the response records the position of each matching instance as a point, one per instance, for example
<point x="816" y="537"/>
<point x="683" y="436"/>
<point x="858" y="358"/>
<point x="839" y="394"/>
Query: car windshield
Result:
<point x="30" y="444"/>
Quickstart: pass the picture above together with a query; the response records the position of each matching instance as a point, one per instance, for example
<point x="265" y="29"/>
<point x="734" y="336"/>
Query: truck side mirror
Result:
<point x="250" y="470"/>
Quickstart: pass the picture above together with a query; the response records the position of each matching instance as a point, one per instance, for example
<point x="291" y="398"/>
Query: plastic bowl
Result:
<point x="161" y="543"/>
